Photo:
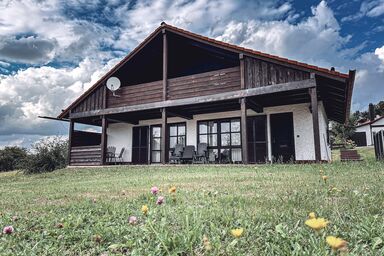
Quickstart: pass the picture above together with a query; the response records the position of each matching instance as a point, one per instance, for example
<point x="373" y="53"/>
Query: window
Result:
<point x="177" y="135"/>
<point x="222" y="136"/>
<point x="155" y="144"/>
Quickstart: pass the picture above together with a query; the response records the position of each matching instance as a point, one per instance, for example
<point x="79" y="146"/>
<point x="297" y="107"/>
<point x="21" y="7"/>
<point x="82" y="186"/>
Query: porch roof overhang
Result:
<point x="216" y="99"/>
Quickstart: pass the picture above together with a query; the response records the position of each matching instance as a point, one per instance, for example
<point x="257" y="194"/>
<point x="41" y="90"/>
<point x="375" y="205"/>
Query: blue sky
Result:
<point x="53" y="50"/>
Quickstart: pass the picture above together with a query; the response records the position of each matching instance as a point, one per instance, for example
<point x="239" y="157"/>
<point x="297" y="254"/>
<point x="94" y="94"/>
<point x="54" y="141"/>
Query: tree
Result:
<point x="340" y="133"/>
<point x="12" y="158"/>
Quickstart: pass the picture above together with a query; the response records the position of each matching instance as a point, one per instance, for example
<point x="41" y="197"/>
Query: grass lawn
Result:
<point x="86" y="211"/>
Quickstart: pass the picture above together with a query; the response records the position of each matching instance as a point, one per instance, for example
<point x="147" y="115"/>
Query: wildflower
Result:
<point x="321" y="172"/>
<point x="160" y="200"/>
<point x="15" y="218"/>
<point x="317" y="223"/>
<point x="237" y="232"/>
<point x="154" y="190"/>
<point x="8" y="230"/>
<point x="312" y="215"/>
<point x="97" y="238"/>
<point x="133" y="220"/>
<point x="144" y="209"/>
<point x="325" y="178"/>
<point x="206" y="243"/>
<point x="336" y="243"/>
<point x="172" y="189"/>
<point x="94" y="200"/>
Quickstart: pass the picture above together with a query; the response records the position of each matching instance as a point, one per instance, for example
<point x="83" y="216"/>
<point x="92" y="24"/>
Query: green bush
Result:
<point x="11" y="158"/>
<point x="47" y="155"/>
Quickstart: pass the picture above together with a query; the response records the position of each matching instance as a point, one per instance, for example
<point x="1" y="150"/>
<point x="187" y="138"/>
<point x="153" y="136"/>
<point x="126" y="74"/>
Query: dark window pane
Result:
<point x="173" y="130"/>
<point x="213" y="155"/>
<point x="156" y="144"/>
<point x="155" y="156"/>
<point x="225" y="127"/>
<point x="225" y="155"/>
<point x="235" y="126"/>
<point x="202" y="128"/>
<point x="156" y="132"/>
<point x="236" y="155"/>
<point x="181" y="140"/>
<point x="235" y="139"/>
<point x="225" y="139"/>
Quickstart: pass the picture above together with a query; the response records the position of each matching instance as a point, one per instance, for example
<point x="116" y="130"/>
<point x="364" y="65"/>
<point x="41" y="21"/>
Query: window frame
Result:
<point x="151" y="144"/>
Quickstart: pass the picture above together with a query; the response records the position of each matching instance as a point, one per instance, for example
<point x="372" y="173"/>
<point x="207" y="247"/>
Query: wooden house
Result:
<point x="183" y="88"/>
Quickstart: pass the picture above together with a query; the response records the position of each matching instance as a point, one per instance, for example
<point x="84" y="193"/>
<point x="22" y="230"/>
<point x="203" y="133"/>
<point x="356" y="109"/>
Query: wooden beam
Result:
<point x="243" y="120"/>
<point x="315" y="121"/>
<point x="176" y="113"/>
<point x="123" y="121"/>
<point x="103" y="145"/>
<point x="242" y="71"/>
<point x="70" y="133"/>
<point x="165" y="64"/>
<point x="264" y="90"/>
<point x="254" y="106"/>
<point x="164" y="134"/>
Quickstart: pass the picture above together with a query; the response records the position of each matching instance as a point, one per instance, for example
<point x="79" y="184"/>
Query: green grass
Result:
<point x="271" y="203"/>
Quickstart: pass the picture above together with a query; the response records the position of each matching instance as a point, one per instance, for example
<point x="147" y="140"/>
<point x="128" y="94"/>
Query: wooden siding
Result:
<point x="136" y="94"/>
<point x="86" y="155"/>
<point x="219" y="81"/>
<point x="262" y="73"/>
<point x="94" y="101"/>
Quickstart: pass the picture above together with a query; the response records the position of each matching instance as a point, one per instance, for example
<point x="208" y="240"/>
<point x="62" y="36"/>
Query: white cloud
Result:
<point x="370" y="9"/>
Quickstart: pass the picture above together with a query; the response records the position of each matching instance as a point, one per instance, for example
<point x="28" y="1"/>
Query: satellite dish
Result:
<point x="113" y="83"/>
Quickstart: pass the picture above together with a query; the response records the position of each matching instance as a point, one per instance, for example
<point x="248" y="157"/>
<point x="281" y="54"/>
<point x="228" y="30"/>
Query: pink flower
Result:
<point x="133" y="220"/>
<point x="8" y="230"/>
<point x="160" y="200"/>
<point x="154" y="190"/>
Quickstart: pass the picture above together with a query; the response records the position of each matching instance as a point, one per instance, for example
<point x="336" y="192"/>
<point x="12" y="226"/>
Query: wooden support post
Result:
<point x="104" y="125"/>
<point x="165" y="65"/>
<point x="315" y="121"/>
<point x="163" y="143"/>
<point x="242" y="71"/>
<point x="244" y="143"/>
<point x="70" y="134"/>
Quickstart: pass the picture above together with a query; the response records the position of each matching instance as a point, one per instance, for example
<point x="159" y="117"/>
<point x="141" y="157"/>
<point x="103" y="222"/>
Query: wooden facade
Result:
<point x="200" y="75"/>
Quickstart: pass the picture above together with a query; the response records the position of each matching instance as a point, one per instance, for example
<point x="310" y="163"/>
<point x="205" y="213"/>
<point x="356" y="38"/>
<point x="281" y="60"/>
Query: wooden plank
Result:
<point x="315" y="121"/>
<point x="242" y="74"/>
<point x="165" y="64"/>
<point x="71" y="129"/>
<point x="264" y="90"/>
<point x="104" y="124"/>
<point x="243" y="121"/>
<point x="164" y="152"/>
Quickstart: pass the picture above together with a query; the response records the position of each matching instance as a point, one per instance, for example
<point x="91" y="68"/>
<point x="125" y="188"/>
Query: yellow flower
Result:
<point x="336" y="243"/>
<point x="325" y="177"/>
<point x="317" y="223"/>
<point x="312" y="215"/>
<point x="206" y="243"/>
<point x="321" y="172"/>
<point x="237" y="232"/>
<point x="144" y="209"/>
<point x="172" y="189"/>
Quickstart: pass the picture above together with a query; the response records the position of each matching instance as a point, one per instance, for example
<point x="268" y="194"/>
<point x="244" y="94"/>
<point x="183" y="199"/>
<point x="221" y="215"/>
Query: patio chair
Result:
<point x="201" y="154"/>
<point x="111" y="150"/>
<point x="188" y="154"/>
<point x="176" y="154"/>
<point x="120" y="156"/>
<point x="225" y="157"/>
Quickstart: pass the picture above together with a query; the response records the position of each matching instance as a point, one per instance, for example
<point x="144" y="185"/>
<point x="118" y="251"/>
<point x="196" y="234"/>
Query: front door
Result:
<point x="257" y="139"/>
<point x="283" y="145"/>
<point x="140" y="145"/>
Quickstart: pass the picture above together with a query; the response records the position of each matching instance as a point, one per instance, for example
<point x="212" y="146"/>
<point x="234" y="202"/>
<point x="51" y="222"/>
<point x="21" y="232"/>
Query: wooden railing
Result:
<point x="85" y="155"/>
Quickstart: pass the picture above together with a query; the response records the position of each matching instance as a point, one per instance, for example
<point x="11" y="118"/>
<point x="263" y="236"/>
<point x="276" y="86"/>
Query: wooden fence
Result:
<point x="378" y="139"/>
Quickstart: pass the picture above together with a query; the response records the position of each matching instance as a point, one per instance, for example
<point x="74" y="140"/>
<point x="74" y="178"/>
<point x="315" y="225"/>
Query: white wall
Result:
<point x="120" y="135"/>
<point x="370" y="130"/>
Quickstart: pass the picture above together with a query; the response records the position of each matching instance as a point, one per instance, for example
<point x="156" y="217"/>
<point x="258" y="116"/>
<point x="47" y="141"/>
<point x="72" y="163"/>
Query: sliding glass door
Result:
<point x="223" y="138"/>
<point x="156" y="144"/>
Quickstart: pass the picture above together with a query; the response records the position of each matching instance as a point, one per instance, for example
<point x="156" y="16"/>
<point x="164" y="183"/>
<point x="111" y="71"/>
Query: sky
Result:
<point x="51" y="51"/>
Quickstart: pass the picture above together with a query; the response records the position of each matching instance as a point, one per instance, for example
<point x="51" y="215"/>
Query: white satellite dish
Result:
<point x="113" y="83"/>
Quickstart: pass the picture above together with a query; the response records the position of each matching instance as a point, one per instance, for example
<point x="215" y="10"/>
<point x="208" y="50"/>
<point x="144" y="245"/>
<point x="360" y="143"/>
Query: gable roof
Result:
<point x="369" y="122"/>
<point x="231" y="47"/>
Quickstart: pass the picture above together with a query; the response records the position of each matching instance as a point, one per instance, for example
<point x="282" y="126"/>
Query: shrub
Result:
<point x="11" y="158"/>
<point x="47" y="155"/>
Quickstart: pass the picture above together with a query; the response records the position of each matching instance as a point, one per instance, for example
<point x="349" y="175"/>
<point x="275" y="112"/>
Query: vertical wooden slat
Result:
<point x="164" y="136"/>
<point x="315" y="121"/>
<point x="104" y="124"/>
<point x="165" y="65"/>
<point x="70" y="134"/>
<point x="242" y="73"/>
<point x="244" y="144"/>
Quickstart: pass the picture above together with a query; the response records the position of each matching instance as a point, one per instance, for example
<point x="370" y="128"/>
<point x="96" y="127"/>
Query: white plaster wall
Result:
<point x="367" y="130"/>
<point x="120" y="135"/>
